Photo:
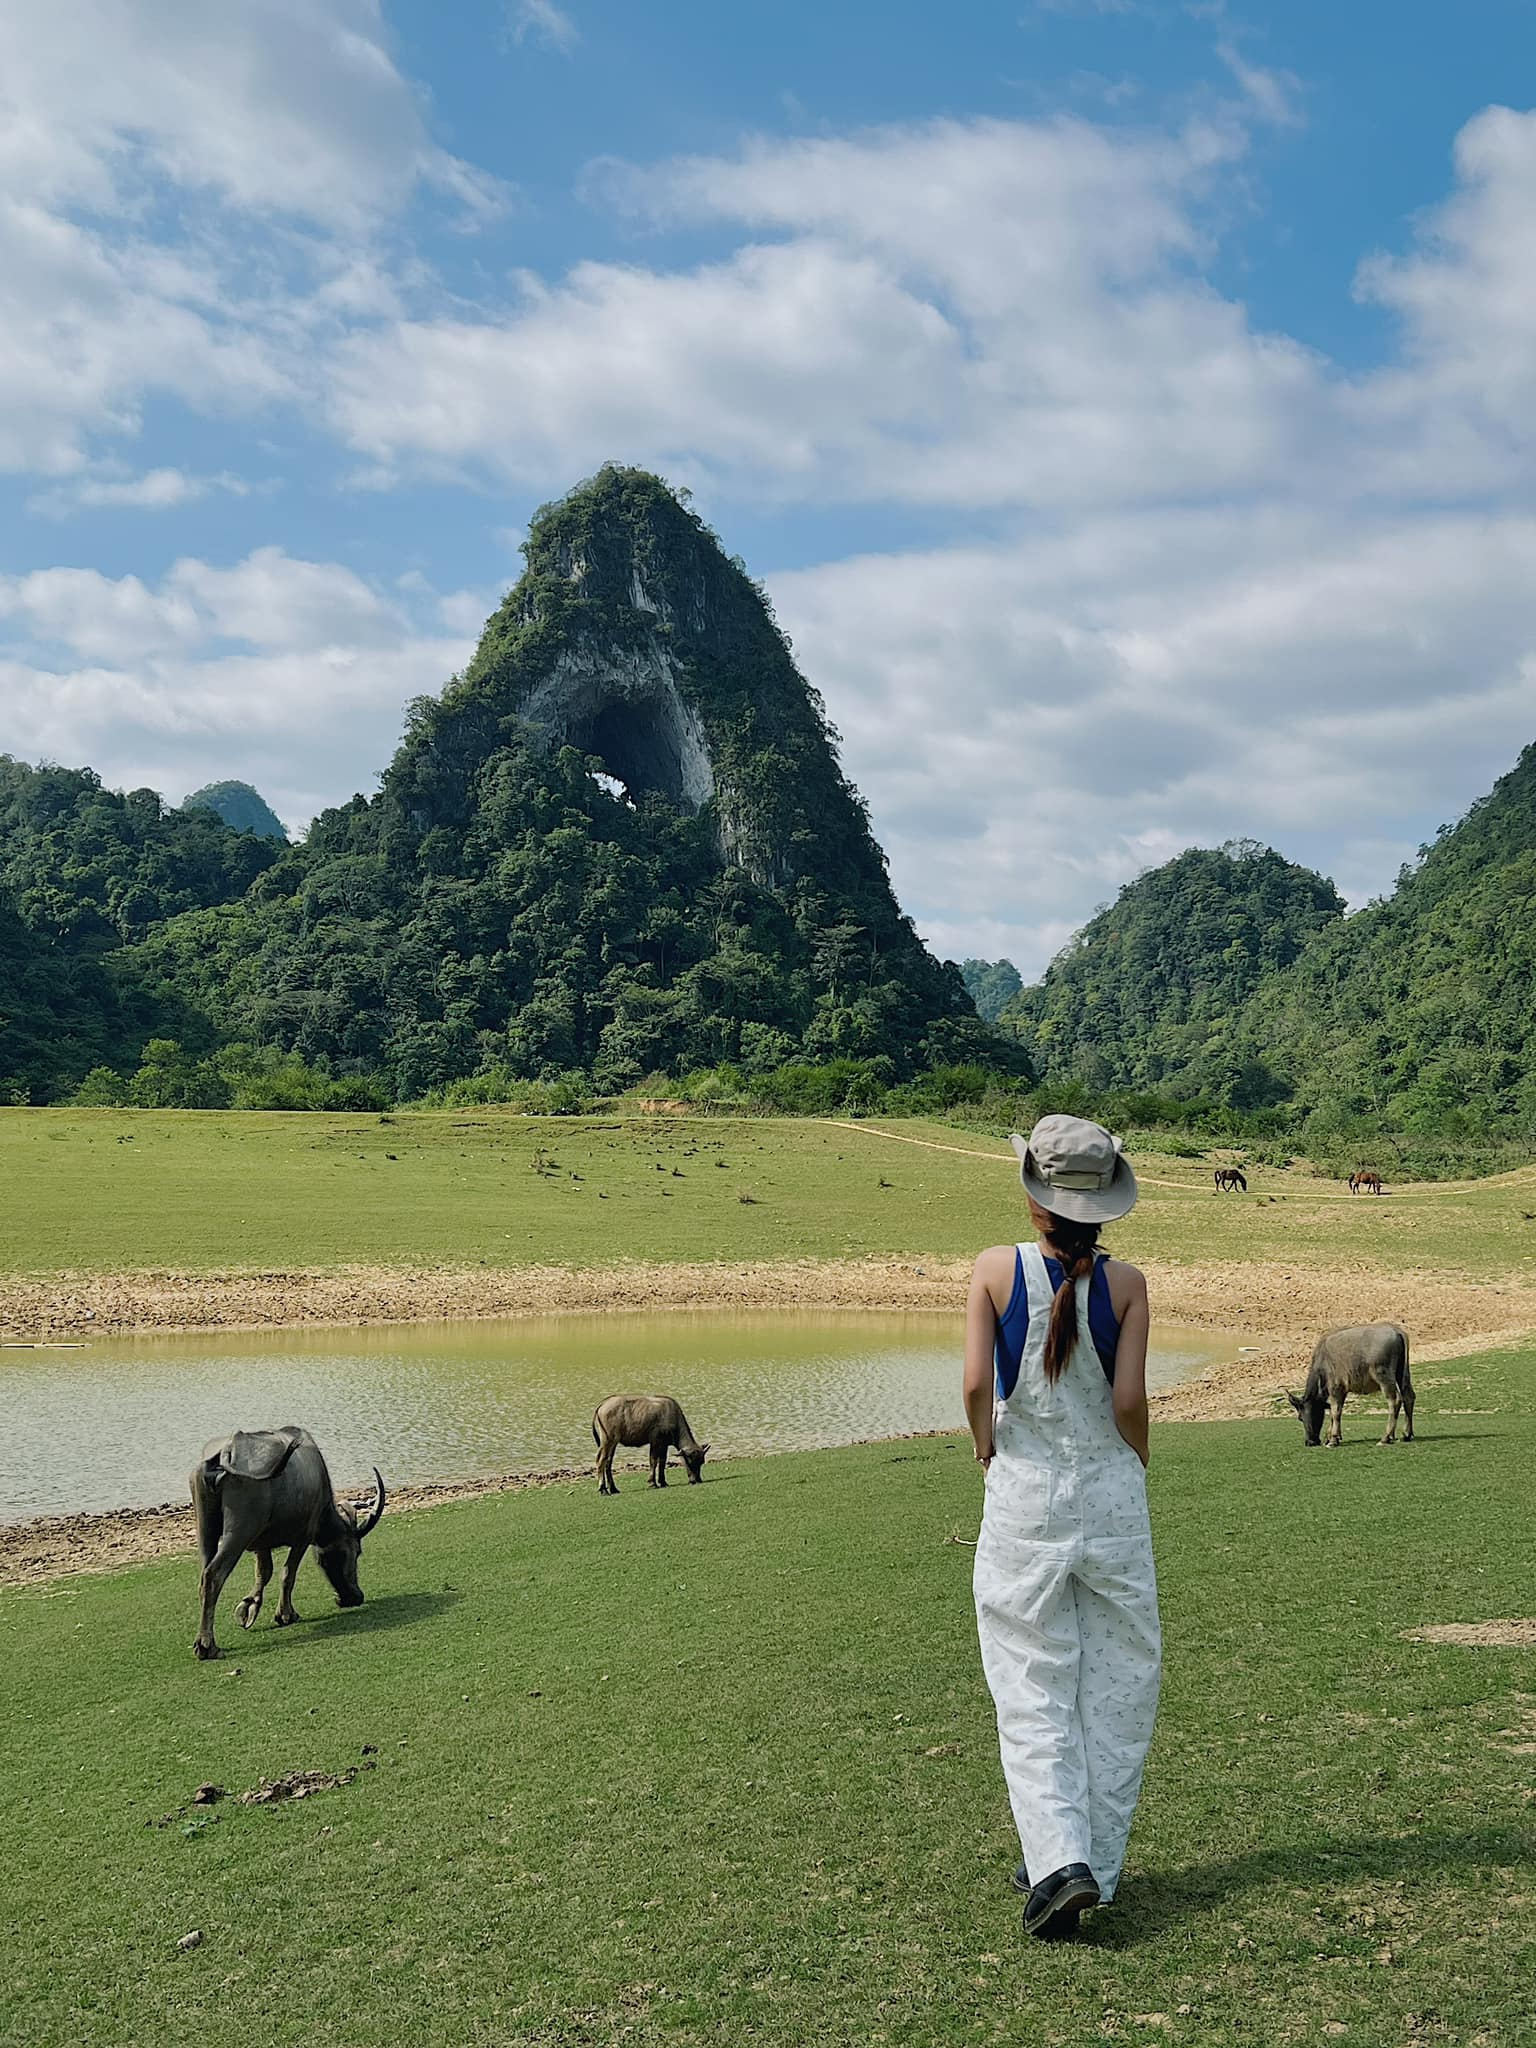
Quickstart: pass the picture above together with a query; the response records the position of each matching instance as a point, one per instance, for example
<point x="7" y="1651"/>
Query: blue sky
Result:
<point x="1129" y="405"/>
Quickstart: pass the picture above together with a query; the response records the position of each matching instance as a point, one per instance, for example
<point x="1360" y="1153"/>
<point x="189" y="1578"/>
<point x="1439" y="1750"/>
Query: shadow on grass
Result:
<point x="378" y="1611"/>
<point x="1158" y="1902"/>
<point x="1420" y="1442"/>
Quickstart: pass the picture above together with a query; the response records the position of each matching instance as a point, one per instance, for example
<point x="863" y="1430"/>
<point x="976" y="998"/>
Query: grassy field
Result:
<point x="104" y="1191"/>
<point x="718" y="1767"/>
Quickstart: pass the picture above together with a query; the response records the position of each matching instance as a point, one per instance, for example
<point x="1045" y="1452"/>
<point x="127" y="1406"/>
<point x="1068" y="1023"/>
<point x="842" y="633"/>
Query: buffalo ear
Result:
<point x="702" y="1449"/>
<point x="1296" y="1402"/>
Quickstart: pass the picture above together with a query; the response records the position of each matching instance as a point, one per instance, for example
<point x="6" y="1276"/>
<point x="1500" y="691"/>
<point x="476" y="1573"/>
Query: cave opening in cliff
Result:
<point x="637" y="750"/>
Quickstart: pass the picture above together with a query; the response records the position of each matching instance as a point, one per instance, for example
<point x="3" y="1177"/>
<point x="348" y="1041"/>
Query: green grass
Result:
<point x="717" y="1766"/>
<point x="105" y="1190"/>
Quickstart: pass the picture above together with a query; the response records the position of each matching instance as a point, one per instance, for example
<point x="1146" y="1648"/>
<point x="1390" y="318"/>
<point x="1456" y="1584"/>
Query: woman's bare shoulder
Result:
<point x="1127" y="1283"/>
<point x="993" y="1272"/>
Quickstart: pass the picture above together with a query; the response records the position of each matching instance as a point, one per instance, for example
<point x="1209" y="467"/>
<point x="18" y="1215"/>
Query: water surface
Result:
<point x="118" y="1424"/>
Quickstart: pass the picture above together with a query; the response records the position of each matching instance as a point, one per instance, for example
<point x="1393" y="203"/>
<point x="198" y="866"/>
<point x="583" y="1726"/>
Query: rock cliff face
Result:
<point x="635" y="640"/>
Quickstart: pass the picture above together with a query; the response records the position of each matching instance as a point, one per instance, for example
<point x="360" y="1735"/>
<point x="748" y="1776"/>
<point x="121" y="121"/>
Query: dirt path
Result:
<point x="1296" y="1190"/>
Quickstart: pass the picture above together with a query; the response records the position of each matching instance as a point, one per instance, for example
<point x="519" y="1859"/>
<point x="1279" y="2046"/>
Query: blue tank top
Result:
<point x="1013" y="1324"/>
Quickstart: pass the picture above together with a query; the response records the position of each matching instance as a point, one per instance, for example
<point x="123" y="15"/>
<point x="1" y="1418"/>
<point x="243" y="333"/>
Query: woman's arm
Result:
<point x="1130" y="1388"/>
<point x="980" y="1350"/>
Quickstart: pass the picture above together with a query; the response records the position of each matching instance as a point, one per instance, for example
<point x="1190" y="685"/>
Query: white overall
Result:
<point x="1066" y="1604"/>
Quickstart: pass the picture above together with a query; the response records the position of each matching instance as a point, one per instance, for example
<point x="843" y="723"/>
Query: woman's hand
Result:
<point x="993" y="1270"/>
<point x="1129" y="1394"/>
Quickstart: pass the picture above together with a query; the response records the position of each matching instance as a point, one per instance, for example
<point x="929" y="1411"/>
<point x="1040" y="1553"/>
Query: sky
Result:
<point x="1129" y="404"/>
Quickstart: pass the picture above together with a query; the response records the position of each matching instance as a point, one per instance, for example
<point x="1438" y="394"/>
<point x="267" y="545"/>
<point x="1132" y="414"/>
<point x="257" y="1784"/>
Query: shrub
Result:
<point x="102" y="1088"/>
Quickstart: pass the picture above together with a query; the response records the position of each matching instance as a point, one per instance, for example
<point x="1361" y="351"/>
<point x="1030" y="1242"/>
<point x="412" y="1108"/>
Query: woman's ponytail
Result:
<point x="1076" y="1245"/>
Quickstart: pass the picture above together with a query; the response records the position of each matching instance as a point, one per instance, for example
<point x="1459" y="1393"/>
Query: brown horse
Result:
<point x="1365" y="1180"/>
<point x="1231" y="1177"/>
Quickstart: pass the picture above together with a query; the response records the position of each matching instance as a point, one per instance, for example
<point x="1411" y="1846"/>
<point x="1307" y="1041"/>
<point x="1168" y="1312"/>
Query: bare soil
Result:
<point x="1478" y="1635"/>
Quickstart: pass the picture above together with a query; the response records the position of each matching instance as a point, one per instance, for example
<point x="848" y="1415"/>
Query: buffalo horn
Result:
<point x="368" y="1517"/>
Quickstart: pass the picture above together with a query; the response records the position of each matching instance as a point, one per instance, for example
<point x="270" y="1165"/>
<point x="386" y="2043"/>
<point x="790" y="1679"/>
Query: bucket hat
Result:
<point x="1076" y="1169"/>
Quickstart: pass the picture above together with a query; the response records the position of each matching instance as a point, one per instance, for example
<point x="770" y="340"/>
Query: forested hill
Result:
<point x="1152" y="992"/>
<point x="1419" y="1013"/>
<point x="1232" y="976"/>
<point x="84" y="872"/>
<point x="620" y="844"/>
<point x="242" y="808"/>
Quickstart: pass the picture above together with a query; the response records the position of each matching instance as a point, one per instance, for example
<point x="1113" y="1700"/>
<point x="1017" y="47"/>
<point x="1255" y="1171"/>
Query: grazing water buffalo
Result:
<point x="1363" y="1180"/>
<point x="1356" y="1361"/>
<point x="1231" y="1177"/>
<point x="260" y="1490"/>
<point x="654" y="1419"/>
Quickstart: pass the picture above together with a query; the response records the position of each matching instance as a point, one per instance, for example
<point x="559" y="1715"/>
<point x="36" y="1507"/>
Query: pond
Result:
<point x="119" y="1423"/>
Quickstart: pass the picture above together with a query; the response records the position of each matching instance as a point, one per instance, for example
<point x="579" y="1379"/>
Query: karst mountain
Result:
<point x="620" y="844"/>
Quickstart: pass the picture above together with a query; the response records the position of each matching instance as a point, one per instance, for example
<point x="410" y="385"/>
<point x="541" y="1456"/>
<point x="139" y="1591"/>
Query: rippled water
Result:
<point x="119" y="1424"/>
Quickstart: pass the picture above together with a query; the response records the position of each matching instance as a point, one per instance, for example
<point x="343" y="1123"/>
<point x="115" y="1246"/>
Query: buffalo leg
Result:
<point x="605" y="1451"/>
<point x="250" y="1606"/>
<point x="658" y="1464"/>
<point x="1394" y="1403"/>
<point x="1336" y="1433"/>
<point x="1407" y="1409"/>
<point x="215" y="1572"/>
<point x="285" y="1613"/>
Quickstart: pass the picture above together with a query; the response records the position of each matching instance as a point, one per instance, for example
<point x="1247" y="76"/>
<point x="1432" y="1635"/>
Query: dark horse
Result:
<point x="1365" y="1179"/>
<point x="1231" y="1177"/>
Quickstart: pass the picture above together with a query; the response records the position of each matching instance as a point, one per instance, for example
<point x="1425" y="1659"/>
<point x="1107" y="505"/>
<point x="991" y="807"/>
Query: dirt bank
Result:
<point x="78" y="1305"/>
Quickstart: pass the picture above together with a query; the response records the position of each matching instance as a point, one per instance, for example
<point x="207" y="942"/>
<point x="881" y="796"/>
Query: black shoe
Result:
<point x="1056" y="1901"/>
<point x="1020" y="1879"/>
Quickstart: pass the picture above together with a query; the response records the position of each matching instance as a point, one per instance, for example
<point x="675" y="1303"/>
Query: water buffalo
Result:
<point x="1356" y="1361"/>
<point x="1231" y="1177"/>
<point x="260" y="1490"/>
<point x="653" y="1419"/>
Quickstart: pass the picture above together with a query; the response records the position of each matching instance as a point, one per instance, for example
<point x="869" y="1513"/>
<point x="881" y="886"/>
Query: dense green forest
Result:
<point x="242" y="808"/>
<point x="86" y="873"/>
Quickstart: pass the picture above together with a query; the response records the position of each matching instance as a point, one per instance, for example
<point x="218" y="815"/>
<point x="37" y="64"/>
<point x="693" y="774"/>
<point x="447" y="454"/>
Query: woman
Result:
<point x="1066" y="1597"/>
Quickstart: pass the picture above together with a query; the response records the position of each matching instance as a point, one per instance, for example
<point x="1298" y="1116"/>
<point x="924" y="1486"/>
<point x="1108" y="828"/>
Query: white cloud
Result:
<point x="291" y="674"/>
<point x="185" y="195"/>
<point x="772" y="362"/>
<point x="156" y="490"/>
<point x="1272" y="95"/>
<point x="1459" y="410"/>
<point x="967" y="313"/>
<point x="289" y="106"/>
<point x="1145" y="682"/>
<point x="269" y="600"/>
<point x="544" y="21"/>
